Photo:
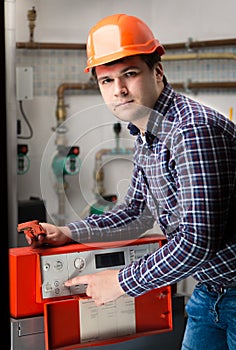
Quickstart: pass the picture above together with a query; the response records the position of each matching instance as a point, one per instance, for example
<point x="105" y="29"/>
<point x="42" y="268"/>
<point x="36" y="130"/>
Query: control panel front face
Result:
<point x="58" y="268"/>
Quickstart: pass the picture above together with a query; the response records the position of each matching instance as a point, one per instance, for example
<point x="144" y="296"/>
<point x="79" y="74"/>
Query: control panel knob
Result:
<point x="80" y="263"/>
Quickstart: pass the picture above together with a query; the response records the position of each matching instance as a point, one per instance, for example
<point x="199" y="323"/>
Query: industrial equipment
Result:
<point x="45" y="314"/>
<point x="65" y="162"/>
<point x="23" y="162"/>
<point x="103" y="204"/>
<point x="105" y="201"/>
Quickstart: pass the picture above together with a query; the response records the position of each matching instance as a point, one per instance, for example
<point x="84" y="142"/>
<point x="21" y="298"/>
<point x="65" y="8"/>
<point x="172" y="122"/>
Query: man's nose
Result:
<point x="120" y="88"/>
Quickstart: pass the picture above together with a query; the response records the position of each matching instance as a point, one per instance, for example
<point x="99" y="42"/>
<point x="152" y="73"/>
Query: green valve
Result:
<point x="103" y="204"/>
<point x="66" y="162"/>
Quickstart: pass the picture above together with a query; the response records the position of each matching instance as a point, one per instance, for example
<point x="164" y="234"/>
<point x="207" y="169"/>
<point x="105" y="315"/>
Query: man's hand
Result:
<point x="102" y="287"/>
<point x="55" y="236"/>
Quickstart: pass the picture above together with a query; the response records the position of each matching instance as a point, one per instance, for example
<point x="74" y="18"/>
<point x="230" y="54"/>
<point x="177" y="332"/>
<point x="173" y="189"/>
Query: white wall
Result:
<point x="171" y="21"/>
<point x="70" y="21"/>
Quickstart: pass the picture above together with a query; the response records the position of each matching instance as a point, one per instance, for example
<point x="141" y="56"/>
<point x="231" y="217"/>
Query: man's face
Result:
<point x="130" y="89"/>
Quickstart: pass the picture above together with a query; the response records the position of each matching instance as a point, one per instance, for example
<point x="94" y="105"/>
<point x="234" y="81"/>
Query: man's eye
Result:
<point x="130" y="74"/>
<point x="106" y="81"/>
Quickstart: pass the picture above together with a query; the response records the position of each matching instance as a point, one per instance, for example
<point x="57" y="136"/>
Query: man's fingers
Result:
<point x="77" y="280"/>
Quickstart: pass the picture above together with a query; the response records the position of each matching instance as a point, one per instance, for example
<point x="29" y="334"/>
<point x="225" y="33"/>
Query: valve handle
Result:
<point x="32" y="229"/>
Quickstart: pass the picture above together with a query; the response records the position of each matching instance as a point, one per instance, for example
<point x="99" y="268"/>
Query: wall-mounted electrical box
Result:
<point x="24" y="83"/>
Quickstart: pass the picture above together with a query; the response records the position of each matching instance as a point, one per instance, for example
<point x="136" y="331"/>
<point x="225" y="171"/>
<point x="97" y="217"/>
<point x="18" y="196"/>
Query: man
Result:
<point x="184" y="178"/>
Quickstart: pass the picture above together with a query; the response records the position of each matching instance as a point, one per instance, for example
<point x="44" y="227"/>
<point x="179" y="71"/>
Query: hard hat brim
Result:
<point x="126" y="53"/>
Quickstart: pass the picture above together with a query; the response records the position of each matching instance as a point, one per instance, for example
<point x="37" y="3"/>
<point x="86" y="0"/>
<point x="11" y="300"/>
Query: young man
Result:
<point x="184" y="178"/>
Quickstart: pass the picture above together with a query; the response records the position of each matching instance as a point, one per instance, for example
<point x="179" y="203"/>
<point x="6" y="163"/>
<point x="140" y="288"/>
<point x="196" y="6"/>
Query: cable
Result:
<point x="27" y="122"/>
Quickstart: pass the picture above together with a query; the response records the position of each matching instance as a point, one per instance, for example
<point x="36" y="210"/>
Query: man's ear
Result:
<point x="159" y="71"/>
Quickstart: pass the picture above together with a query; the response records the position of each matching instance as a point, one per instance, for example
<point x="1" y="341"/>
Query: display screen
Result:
<point x="109" y="259"/>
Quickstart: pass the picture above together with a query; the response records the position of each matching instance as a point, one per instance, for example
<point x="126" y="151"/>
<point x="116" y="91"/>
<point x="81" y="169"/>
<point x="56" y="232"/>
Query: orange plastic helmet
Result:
<point x="119" y="36"/>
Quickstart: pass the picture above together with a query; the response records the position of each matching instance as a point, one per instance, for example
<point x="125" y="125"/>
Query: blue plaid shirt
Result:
<point x="184" y="178"/>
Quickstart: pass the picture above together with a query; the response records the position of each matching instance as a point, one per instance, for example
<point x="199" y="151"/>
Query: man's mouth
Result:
<point x="122" y="104"/>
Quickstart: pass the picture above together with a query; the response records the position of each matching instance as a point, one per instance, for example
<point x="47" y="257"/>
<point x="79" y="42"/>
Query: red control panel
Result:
<point x="71" y="319"/>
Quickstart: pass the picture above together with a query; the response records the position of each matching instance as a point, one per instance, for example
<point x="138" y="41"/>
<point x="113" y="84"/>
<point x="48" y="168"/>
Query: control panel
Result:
<point x="58" y="268"/>
<point x="37" y="276"/>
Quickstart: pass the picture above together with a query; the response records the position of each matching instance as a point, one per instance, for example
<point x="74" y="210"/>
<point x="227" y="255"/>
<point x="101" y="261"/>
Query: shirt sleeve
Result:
<point x="205" y="166"/>
<point x="125" y="221"/>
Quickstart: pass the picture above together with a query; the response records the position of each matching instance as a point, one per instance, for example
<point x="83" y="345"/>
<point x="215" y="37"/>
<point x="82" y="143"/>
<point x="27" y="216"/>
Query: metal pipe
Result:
<point x="204" y="85"/>
<point x="188" y="56"/>
<point x="91" y="85"/>
<point x="61" y="107"/>
<point x="170" y="46"/>
<point x="200" y="56"/>
<point x="50" y="46"/>
<point x="61" y="115"/>
<point x="99" y="172"/>
<point x="165" y="58"/>
<point x="200" y="44"/>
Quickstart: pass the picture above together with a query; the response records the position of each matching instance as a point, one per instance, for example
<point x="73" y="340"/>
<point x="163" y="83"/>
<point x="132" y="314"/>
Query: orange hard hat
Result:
<point x="119" y="36"/>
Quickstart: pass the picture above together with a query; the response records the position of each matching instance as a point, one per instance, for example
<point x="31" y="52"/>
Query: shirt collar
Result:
<point x="160" y="109"/>
<point x="149" y="137"/>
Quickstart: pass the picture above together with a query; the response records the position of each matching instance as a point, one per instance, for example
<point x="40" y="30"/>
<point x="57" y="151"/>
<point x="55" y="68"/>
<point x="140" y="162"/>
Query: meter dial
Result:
<point x="72" y="165"/>
<point x="80" y="263"/>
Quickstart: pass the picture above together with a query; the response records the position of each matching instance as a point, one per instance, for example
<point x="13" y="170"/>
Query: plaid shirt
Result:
<point x="184" y="178"/>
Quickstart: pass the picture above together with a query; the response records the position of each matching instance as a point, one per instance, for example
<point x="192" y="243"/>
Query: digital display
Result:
<point x="109" y="260"/>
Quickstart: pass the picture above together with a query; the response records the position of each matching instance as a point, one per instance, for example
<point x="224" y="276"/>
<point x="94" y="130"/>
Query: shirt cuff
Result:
<point x="129" y="282"/>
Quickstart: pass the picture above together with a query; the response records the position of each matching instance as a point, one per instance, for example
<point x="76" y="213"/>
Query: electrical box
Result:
<point x="24" y="83"/>
<point x="71" y="319"/>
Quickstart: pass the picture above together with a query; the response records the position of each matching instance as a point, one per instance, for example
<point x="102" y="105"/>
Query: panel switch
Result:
<point x="24" y="83"/>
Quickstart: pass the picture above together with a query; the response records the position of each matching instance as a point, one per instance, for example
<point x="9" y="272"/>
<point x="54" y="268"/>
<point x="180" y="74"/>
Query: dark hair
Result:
<point x="150" y="59"/>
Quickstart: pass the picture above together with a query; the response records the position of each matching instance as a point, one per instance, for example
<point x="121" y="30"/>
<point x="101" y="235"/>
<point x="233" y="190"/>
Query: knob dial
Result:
<point x="80" y="263"/>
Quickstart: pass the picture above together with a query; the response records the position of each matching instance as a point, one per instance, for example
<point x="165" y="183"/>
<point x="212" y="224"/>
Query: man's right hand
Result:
<point x="55" y="236"/>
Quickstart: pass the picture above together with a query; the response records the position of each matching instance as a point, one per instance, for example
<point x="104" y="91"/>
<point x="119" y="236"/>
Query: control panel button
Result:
<point x="58" y="265"/>
<point x="80" y="263"/>
<point x="46" y="267"/>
